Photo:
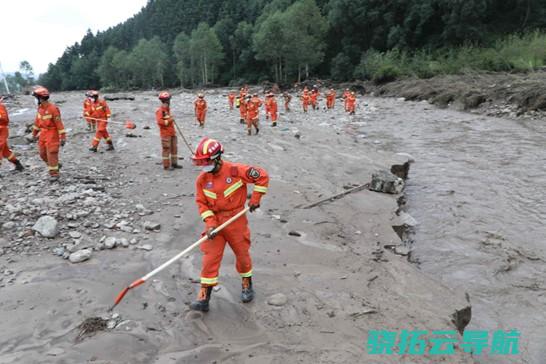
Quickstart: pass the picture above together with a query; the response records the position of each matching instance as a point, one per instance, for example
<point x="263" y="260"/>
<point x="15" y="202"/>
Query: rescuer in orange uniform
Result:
<point x="5" y="152"/>
<point x="314" y="98"/>
<point x="51" y="129"/>
<point x="231" y="100"/>
<point x="169" y="143"/>
<point x="271" y="109"/>
<point x="221" y="192"/>
<point x="346" y="94"/>
<point x="242" y="105"/>
<point x="91" y="124"/>
<point x="351" y="103"/>
<point x="200" y="109"/>
<point x="253" y="105"/>
<point x="331" y="99"/>
<point x="100" y="111"/>
<point x="305" y="99"/>
<point x="287" y="98"/>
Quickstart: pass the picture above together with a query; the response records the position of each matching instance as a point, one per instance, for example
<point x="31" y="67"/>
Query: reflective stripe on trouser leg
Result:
<point x="174" y="150"/>
<point x="238" y="236"/>
<point x="53" y="160"/>
<point x="166" y="151"/>
<point x="213" y="251"/>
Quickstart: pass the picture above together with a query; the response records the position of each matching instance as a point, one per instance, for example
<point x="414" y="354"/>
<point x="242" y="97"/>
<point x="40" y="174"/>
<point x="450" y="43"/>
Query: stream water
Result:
<point x="478" y="192"/>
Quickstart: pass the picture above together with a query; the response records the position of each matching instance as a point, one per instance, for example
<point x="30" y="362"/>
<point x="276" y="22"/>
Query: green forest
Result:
<point x="172" y="43"/>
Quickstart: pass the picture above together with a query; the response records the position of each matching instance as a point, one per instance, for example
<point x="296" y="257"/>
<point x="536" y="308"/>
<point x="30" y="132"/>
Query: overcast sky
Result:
<point x="39" y="30"/>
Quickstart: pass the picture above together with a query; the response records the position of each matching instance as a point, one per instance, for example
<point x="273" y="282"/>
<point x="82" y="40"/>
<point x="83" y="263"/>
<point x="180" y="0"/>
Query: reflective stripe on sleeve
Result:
<point x="261" y="189"/>
<point x="209" y="194"/>
<point x="207" y="213"/>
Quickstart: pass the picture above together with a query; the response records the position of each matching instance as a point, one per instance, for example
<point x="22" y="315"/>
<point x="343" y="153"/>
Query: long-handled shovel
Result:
<point x="143" y="279"/>
<point x="127" y="124"/>
<point x="183" y="137"/>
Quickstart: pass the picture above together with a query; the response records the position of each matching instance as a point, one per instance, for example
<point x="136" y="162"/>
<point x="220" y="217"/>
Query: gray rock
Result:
<point x="110" y="242"/>
<point x="75" y="234"/>
<point x="59" y="251"/>
<point x="80" y="256"/>
<point x="123" y="242"/>
<point x="133" y="241"/>
<point x="8" y="225"/>
<point x="385" y="181"/>
<point x="277" y="299"/>
<point x="146" y="247"/>
<point x="150" y="225"/>
<point x="46" y="226"/>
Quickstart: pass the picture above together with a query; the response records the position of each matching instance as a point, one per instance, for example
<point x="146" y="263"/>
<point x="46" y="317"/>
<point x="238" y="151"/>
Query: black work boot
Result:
<point x="274" y="123"/>
<point x="93" y="149"/>
<point x="18" y="166"/>
<point x="247" y="293"/>
<point x="203" y="298"/>
<point x="110" y="146"/>
<point x="176" y="166"/>
<point x="257" y="130"/>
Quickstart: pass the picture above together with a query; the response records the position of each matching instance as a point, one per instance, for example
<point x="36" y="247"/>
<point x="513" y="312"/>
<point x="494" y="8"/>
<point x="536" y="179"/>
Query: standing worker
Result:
<point x="169" y="143"/>
<point x="305" y="99"/>
<point x="330" y="99"/>
<point x="314" y="97"/>
<point x="200" y="109"/>
<point x="91" y="124"/>
<point x="231" y="100"/>
<point x="253" y="105"/>
<point x="221" y="192"/>
<point x="51" y="129"/>
<point x="100" y="112"/>
<point x="287" y="98"/>
<point x="351" y="103"/>
<point x="346" y="94"/>
<point x="5" y="152"/>
<point x="271" y="108"/>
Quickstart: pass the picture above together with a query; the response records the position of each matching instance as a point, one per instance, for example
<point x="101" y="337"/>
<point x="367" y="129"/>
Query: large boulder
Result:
<point x="46" y="226"/>
<point x="385" y="181"/>
<point x="80" y="256"/>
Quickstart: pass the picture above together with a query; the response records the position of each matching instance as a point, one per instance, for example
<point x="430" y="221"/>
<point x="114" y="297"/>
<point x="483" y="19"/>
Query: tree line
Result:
<point x="212" y="42"/>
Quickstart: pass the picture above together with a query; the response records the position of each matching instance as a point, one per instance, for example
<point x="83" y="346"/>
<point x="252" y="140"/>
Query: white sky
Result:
<point x="39" y="30"/>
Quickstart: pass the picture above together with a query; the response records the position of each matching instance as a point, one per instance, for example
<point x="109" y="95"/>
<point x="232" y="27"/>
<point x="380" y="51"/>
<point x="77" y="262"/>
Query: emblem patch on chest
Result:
<point x="228" y="180"/>
<point x="208" y="185"/>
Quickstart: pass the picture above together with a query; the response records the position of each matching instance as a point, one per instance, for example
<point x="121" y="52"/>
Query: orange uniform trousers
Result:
<point x="169" y="150"/>
<point x="237" y="235"/>
<point x="5" y="152"/>
<point x="49" y="152"/>
<point x="101" y="133"/>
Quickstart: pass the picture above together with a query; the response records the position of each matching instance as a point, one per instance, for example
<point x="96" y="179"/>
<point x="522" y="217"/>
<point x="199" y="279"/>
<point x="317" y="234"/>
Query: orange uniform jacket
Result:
<point x="100" y="110"/>
<point x="48" y="123"/>
<point x="231" y="99"/>
<point x="86" y="107"/>
<point x="253" y="108"/>
<point x="165" y="122"/>
<point x="4" y="129"/>
<point x="351" y="103"/>
<point x="271" y="107"/>
<point x="223" y="194"/>
<point x="200" y="107"/>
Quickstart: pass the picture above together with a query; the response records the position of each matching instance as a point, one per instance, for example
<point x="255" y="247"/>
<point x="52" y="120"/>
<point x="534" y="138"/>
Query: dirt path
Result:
<point x="339" y="279"/>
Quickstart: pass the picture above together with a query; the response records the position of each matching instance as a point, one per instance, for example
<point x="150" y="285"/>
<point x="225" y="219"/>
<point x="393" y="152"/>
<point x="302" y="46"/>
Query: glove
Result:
<point x="63" y="142"/>
<point x="253" y="206"/>
<point x="210" y="233"/>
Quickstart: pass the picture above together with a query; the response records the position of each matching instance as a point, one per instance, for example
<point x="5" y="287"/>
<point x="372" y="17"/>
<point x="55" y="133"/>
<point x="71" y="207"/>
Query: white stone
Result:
<point x="80" y="256"/>
<point x="46" y="226"/>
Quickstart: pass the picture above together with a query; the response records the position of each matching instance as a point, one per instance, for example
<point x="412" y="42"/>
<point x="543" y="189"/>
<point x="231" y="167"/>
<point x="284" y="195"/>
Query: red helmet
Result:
<point x="164" y="96"/>
<point x="40" y="91"/>
<point x="207" y="150"/>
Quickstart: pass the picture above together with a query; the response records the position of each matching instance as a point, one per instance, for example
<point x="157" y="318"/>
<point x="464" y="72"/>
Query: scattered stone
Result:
<point x="133" y="241"/>
<point x="80" y="256"/>
<point x="46" y="226"/>
<point x="294" y="233"/>
<point x="278" y="299"/>
<point x="8" y="225"/>
<point x="110" y="242"/>
<point x="146" y="247"/>
<point x="123" y="242"/>
<point x="402" y="250"/>
<point x="75" y="234"/>
<point x="152" y="226"/>
<point x="385" y="181"/>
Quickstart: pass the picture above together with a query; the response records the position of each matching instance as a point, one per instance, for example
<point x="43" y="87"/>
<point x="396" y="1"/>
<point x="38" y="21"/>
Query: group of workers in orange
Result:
<point x="310" y="98"/>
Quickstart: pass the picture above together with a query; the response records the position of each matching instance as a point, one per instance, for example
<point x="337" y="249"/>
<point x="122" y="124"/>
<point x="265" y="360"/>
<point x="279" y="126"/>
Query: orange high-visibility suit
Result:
<point x="242" y="109"/>
<point x="51" y="129"/>
<point x="253" y="112"/>
<point x="200" y="111"/>
<point x="167" y="133"/>
<point x="271" y="108"/>
<point x="330" y="99"/>
<point x="351" y="104"/>
<point x="305" y="100"/>
<point x="314" y="99"/>
<point x="346" y="94"/>
<point x="231" y="100"/>
<point x="219" y="196"/>
<point x="91" y="124"/>
<point x="5" y="152"/>
<point x="100" y="111"/>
